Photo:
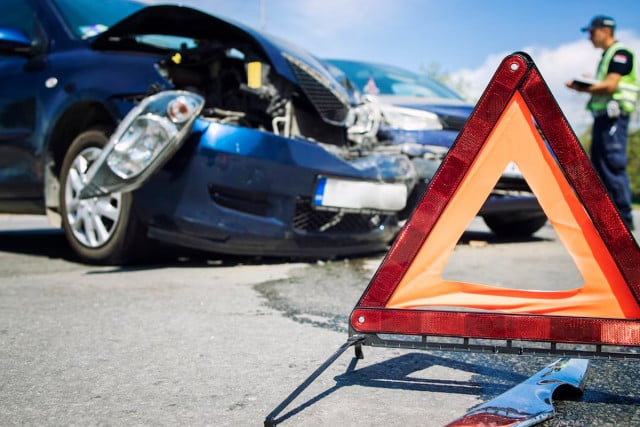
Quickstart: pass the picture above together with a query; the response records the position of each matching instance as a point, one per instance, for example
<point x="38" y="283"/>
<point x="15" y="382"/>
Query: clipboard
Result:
<point x="584" y="82"/>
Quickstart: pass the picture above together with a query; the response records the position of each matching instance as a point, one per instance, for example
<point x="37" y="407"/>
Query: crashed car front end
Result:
<point x="244" y="191"/>
<point x="274" y="157"/>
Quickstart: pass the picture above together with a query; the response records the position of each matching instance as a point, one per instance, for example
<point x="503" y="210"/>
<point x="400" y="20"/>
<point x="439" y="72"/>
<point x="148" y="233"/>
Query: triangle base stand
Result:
<point x="564" y="371"/>
<point x="498" y="346"/>
<point x="354" y="340"/>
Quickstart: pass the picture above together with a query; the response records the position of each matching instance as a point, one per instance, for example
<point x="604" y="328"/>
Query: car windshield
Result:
<point x="88" y="18"/>
<point x="378" y="79"/>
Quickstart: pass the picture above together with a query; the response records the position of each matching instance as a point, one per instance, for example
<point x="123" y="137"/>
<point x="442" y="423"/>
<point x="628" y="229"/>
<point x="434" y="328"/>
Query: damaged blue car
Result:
<point x="421" y="117"/>
<point x="127" y="123"/>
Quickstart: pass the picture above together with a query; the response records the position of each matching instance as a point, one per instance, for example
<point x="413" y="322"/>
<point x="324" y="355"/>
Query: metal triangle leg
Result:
<point x="354" y="340"/>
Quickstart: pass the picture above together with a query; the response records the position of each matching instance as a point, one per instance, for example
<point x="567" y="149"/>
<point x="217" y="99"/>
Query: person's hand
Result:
<point x="572" y="85"/>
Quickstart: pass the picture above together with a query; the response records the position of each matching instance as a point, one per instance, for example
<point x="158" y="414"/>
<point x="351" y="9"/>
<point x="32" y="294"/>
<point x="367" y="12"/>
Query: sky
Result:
<point x="465" y="39"/>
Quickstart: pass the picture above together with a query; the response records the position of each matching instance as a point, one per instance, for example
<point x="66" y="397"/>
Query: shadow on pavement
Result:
<point x="51" y="243"/>
<point x="401" y="373"/>
<point x="490" y="377"/>
<point x="45" y="242"/>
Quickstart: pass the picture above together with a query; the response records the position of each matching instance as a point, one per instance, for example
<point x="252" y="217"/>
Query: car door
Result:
<point x="21" y="188"/>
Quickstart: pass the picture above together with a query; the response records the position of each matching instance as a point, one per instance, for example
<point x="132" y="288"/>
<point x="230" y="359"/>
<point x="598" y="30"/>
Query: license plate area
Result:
<point x="357" y="195"/>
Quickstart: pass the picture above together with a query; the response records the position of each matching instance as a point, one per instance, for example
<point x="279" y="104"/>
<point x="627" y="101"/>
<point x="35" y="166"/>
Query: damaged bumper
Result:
<point x="226" y="188"/>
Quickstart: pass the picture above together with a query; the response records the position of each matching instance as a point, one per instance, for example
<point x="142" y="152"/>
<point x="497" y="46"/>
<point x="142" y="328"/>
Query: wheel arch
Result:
<point x="76" y="119"/>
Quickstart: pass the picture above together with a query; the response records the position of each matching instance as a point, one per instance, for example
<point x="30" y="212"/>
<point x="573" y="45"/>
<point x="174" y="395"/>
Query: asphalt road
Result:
<point x="203" y="340"/>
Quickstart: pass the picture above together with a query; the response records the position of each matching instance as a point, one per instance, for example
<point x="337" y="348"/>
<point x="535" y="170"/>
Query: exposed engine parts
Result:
<point x="240" y="88"/>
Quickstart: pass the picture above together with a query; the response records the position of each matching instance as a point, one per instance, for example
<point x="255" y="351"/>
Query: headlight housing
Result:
<point x="410" y="118"/>
<point x="159" y="122"/>
<point x="145" y="139"/>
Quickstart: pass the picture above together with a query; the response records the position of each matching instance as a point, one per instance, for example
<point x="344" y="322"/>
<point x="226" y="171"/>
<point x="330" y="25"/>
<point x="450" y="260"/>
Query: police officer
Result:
<point x="613" y="99"/>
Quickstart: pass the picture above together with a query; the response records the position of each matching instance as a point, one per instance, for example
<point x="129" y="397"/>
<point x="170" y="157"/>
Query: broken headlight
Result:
<point x="160" y="121"/>
<point x="145" y="139"/>
<point x="410" y="118"/>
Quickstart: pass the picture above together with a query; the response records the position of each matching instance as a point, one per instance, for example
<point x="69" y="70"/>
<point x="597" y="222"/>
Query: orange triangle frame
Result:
<point x="407" y="295"/>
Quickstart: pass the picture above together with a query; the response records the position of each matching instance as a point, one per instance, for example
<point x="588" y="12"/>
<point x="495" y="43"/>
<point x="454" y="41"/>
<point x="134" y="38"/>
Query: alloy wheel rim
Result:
<point x="92" y="221"/>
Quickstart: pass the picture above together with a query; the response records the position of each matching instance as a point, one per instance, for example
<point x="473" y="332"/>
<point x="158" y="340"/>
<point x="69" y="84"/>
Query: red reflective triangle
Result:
<point x="407" y="295"/>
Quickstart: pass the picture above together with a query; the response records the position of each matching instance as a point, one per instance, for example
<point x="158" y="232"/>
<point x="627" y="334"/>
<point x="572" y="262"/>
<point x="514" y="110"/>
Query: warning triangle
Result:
<point x="516" y="120"/>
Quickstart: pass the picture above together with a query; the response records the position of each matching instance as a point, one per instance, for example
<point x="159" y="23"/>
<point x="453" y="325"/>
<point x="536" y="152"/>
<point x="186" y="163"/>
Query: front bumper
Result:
<point x="241" y="191"/>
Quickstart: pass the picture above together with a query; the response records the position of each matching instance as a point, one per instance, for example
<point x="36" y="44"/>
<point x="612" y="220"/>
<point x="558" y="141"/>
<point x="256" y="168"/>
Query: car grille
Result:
<point x="324" y="99"/>
<point x="311" y="220"/>
<point x="243" y="201"/>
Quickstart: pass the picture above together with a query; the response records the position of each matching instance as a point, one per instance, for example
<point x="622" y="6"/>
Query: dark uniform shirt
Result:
<point x="621" y="63"/>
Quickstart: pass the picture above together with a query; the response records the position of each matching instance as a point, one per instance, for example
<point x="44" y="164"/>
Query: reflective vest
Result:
<point x="627" y="92"/>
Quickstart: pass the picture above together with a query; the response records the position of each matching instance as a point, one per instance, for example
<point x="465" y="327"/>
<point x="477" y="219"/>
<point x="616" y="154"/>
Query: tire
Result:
<point x="101" y="230"/>
<point x="513" y="225"/>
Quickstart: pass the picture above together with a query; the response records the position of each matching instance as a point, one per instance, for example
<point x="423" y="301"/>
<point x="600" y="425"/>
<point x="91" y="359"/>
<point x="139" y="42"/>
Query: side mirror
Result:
<point x="15" y="42"/>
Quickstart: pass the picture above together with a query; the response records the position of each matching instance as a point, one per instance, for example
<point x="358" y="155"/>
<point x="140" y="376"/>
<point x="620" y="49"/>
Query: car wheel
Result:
<point x="514" y="225"/>
<point x="102" y="230"/>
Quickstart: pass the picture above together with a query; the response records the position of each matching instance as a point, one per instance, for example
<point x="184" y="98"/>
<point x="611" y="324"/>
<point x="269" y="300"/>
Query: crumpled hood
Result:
<point x="184" y="21"/>
<point x="168" y="20"/>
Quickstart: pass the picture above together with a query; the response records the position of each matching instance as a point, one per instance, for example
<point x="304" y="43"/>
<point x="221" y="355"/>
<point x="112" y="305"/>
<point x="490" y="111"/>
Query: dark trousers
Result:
<point x="609" y="158"/>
